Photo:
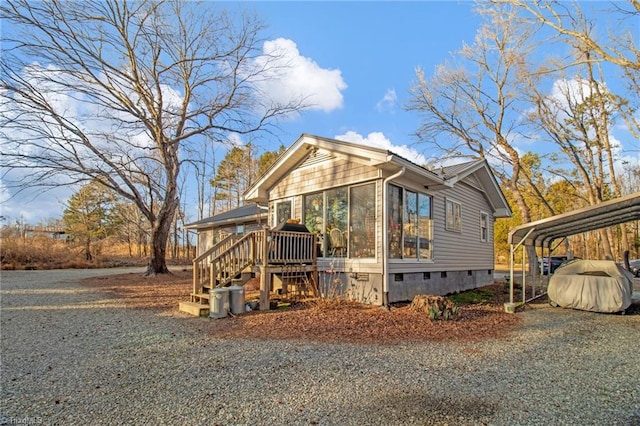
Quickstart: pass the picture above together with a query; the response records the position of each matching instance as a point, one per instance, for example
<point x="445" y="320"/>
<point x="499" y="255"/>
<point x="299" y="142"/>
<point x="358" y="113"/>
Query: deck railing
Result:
<point x="286" y="247"/>
<point x="230" y="263"/>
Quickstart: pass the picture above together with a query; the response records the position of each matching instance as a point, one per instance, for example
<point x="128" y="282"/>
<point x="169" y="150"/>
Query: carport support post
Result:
<point x="524" y="275"/>
<point x="511" y="258"/>
<point x="511" y="274"/>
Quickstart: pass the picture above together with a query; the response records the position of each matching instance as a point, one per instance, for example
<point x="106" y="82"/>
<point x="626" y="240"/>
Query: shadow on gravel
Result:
<point x="398" y="407"/>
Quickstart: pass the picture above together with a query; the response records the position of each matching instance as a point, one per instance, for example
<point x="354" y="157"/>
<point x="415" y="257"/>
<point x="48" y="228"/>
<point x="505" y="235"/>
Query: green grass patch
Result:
<point x="472" y="297"/>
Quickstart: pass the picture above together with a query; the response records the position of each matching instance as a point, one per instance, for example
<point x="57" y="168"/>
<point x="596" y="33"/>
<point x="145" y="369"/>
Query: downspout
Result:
<point x="385" y="237"/>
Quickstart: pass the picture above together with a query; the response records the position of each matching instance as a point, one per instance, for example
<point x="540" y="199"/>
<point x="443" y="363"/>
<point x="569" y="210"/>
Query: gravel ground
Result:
<point x="72" y="356"/>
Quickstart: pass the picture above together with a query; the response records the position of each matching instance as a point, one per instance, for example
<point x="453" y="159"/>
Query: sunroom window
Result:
<point x="283" y="211"/>
<point x="409" y="218"/>
<point x="344" y="220"/>
<point x="362" y="214"/>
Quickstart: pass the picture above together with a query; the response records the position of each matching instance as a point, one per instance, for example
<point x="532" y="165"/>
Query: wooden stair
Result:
<point x="195" y="308"/>
<point x="198" y="306"/>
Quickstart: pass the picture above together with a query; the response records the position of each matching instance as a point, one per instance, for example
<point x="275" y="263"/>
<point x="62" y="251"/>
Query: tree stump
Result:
<point x="437" y="307"/>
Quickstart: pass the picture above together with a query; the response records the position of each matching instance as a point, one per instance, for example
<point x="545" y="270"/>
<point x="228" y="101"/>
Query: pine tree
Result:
<point x="86" y="217"/>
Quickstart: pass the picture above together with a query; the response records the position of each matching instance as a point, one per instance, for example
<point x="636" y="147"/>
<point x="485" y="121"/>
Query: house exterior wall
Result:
<point x="317" y="177"/>
<point x="407" y="285"/>
<point x="205" y="240"/>
<point x="453" y="250"/>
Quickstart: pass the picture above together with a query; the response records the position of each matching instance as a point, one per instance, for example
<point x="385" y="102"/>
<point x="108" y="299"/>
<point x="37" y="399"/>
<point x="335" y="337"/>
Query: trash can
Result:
<point x="237" y="299"/>
<point x="219" y="303"/>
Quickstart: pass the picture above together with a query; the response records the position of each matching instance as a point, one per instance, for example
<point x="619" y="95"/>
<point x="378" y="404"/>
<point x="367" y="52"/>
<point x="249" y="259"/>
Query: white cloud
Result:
<point x="388" y="101"/>
<point x="290" y="76"/>
<point x="34" y="205"/>
<point x="379" y="140"/>
<point x="234" y="139"/>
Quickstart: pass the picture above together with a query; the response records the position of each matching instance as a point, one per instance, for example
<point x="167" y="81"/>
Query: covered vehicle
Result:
<point x="591" y="285"/>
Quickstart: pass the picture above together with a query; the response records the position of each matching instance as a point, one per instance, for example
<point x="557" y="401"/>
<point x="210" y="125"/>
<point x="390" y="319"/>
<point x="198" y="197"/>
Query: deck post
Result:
<point x="265" y="273"/>
<point x="265" y="288"/>
<point x="212" y="276"/>
<point x="196" y="281"/>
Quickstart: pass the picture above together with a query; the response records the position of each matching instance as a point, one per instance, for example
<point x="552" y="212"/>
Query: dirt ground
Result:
<point x="324" y="321"/>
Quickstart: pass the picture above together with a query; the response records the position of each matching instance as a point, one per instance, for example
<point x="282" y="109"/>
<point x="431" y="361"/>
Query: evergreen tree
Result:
<point x="87" y="216"/>
<point x="238" y="171"/>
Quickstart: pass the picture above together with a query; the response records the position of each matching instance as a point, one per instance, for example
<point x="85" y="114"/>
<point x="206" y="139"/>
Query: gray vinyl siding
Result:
<point x="452" y="251"/>
<point x="464" y="250"/>
<point x="466" y="260"/>
<point x="461" y="261"/>
<point x="329" y="174"/>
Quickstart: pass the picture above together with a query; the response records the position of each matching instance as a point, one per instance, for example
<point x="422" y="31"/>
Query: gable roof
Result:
<point x="308" y="145"/>
<point x="247" y="213"/>
<point x="481" y="170"/>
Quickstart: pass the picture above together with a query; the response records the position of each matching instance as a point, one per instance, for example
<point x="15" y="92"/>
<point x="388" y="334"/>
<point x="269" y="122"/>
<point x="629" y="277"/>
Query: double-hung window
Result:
<point x="484" y="227"/>
<point x="453" y="213"/>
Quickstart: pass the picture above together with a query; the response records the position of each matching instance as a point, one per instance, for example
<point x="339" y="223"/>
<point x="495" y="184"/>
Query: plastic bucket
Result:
<point x="237" y="299"/>
<point x="219" y="303"/>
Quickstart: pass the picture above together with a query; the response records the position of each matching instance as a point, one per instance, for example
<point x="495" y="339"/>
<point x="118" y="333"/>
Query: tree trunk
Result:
<point x="158" y="258"/>
<point x="160" y="233"/>
<point x="87" y="249"/>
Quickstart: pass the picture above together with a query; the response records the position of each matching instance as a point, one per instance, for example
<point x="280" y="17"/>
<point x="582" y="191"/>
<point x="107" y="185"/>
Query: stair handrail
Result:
<point x="231" y="262"/>
<point x="201" y="263"/>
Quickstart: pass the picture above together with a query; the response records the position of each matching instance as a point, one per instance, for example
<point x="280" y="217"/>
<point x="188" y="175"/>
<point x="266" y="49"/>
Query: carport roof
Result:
<point x="609" y="213"/>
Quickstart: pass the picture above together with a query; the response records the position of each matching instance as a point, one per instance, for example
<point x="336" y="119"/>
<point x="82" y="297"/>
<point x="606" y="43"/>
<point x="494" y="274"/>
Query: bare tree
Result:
<point x="618" y="45"/>
<point x="472" y="109"/>
<point x="579" y="117"/>
<point x="123" y="93"/>
<point x="567" y="20"/>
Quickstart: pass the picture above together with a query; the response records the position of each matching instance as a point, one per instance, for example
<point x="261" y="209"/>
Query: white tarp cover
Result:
<point x="591" y="285"/>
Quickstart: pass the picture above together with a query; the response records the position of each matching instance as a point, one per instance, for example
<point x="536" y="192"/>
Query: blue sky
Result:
<point x="376" y="47"/>
<point x="358" y="58"/>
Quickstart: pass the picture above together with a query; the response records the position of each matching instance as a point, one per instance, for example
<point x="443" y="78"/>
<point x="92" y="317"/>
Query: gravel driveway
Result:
<point x="72" y="356"/>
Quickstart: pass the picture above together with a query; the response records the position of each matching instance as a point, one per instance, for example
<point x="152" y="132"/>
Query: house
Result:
<point x="238" y="221"/>
<point x="385" y="229"/>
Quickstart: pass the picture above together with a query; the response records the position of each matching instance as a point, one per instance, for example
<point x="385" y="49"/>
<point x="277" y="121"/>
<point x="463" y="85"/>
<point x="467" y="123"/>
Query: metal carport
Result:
<point x="541" y="233"/>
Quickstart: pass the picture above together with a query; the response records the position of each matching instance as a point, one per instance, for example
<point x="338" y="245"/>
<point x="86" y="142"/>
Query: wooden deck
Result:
<point x="236" y="259"/>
